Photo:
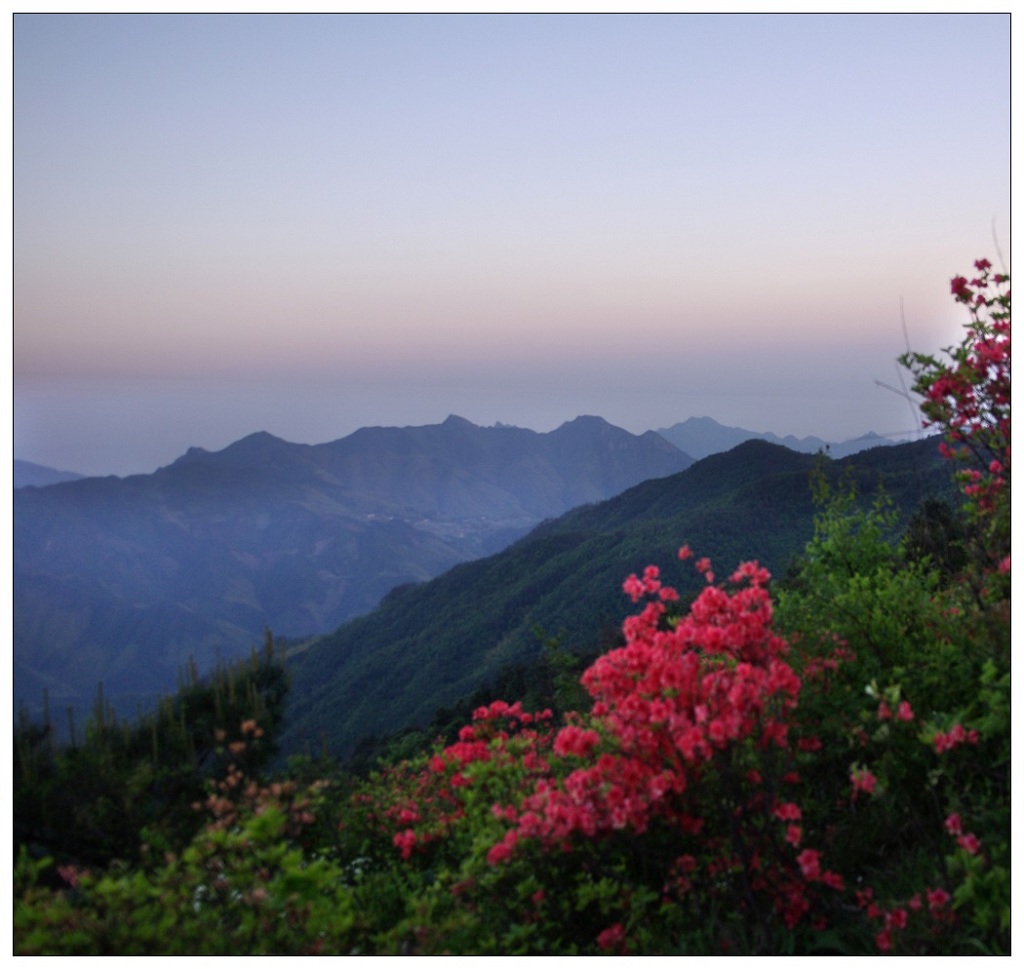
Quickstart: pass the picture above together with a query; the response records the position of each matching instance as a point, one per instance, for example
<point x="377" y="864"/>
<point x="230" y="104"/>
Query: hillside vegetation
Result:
<point x="812" y="763"/>
<point x="428" y="645"/>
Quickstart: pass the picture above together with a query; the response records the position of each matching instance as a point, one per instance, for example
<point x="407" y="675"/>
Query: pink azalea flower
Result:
<point x="897" y="918"/>
<point x="958" y="286"/>
<point x="502" y="851"/>
<point x="863" y="780"/>
<point x="612" y="937"/>
<point x="810" y="864"/>
<point x="788" y="812"/>
<point x="970" y="843"/>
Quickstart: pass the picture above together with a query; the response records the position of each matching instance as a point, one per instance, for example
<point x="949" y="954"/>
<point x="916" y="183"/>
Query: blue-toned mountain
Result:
<point x="701" y="436"/>
<point x="28" y="474"/>
<point x="122" y="580"/>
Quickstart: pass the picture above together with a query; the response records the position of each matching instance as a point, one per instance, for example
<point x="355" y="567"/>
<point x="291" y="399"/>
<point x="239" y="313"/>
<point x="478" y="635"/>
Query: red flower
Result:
<point x="897" y="918"/>
<point x="612" y="937"/>
<point x="810" y="864"/>
<point x="957" y="735"/>
<point x="502" y="851"/>
<point x="633" y="588"/>
<point x="573" y="741"/>
<point x="863" y="780"/>
<point x="970" y="843"/>
<point x="787" y="812"/>
<point x="833" y="880"/>
<point x="406" y="841"/>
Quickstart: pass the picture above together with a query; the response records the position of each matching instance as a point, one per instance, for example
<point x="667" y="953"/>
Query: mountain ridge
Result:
<point x="702" y="436"/>
<point x="123" y="579"/>
<point x="28" y="474"/>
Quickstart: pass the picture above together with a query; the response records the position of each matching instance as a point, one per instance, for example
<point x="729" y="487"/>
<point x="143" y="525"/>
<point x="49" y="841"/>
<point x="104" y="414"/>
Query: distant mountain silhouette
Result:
<point x="123" y="579"/>
<point x="27" y="474"/>
<point x="701" y="436"/>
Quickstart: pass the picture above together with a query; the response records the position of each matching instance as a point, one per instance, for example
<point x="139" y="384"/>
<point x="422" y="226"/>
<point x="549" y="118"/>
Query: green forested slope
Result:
<point x="429" y="645"/>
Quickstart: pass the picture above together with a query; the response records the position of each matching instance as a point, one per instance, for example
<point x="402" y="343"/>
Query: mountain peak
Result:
<point x="260" y="445"/>
<point x="453" y="420"/>
<point x="192" y="454"/>
<point x="259" y="437"/>
<point x="586" y="421"/>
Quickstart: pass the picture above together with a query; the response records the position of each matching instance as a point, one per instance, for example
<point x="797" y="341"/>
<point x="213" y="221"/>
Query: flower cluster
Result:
<point x="674" y="705"/>
<point x="422" y="803"/>
<point x="903" y="712"/>
<point x="671" y="699"/>
<point x="970" y="397"/>
<point x="956" y="735"/>
<point x="968" y="841"/>
<point x="897" y="918"/>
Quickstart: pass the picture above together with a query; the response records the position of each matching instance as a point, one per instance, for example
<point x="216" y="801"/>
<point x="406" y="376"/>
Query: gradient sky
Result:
<point x="307" y="224"/>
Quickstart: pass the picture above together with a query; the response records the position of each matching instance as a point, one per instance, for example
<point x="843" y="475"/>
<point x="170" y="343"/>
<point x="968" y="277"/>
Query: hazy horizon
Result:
<point x="310" y="224"/>
<point x="157" y="439"/>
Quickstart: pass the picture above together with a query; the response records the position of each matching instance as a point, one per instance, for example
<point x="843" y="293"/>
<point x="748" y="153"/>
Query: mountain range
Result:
<point x="28" y="474"/>
<point x="431" y="645"/>
<point x="702" y="436"/>
<point x="697" y="437"/>
<point x="123" y="580"/>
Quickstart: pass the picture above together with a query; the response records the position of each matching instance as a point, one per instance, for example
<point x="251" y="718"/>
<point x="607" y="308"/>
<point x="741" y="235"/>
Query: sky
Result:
<point x="308" y="224"/>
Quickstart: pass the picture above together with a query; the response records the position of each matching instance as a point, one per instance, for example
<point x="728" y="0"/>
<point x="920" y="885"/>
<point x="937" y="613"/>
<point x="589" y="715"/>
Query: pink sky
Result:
<point x="305" y="225"/>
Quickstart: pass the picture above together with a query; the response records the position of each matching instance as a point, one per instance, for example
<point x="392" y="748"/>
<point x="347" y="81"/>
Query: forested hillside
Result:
<point x="428" y="645"/>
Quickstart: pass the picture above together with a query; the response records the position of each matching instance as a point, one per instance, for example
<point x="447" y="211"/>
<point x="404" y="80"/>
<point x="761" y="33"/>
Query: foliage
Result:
<point x="815" y="767"/>
<point x="90" y="801"/>
<point x="245" y="883"/>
